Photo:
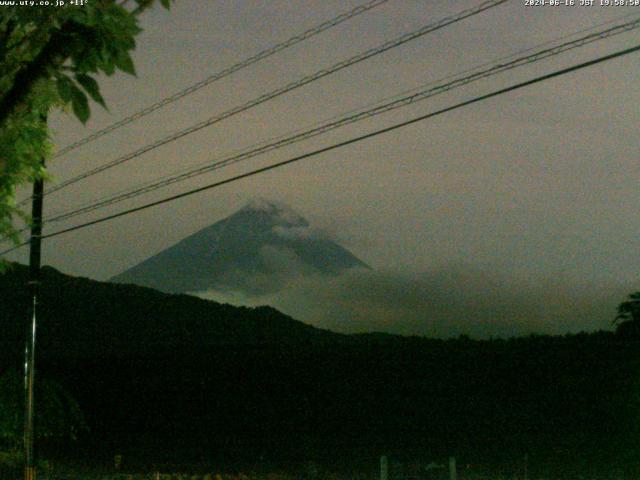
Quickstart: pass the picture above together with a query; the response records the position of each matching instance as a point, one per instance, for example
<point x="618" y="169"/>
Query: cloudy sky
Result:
<point x="522" y="209"/>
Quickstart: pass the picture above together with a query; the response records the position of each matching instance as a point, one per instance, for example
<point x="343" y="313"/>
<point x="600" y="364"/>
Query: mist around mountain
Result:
<point x="267" y="254"/>
<point x="252" y="251"/>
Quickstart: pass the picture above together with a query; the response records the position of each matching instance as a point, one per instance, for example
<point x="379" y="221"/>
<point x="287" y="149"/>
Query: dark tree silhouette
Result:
<point x="58" y="418"/>
<point x="628" y="318"/>
<point x="58" y="414"/>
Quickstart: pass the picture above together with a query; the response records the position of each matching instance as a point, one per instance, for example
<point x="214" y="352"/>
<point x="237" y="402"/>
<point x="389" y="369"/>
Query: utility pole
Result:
<point x="30" y="346"/>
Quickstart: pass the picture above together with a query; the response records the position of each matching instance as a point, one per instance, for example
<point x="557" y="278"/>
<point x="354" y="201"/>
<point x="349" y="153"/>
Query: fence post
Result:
<point x="384" y="468"/>
<point x="453" y="475"/>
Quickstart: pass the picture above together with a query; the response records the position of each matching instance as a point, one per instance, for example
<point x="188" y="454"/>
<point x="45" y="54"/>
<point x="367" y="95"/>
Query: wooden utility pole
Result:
<point x="29" y="351"/>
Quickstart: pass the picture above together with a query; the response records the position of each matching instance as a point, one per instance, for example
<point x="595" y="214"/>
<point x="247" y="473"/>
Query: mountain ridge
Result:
<point x="79" y="314"/>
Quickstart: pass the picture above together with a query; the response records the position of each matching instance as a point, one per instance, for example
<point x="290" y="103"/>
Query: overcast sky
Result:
<point x="537" y="187"/>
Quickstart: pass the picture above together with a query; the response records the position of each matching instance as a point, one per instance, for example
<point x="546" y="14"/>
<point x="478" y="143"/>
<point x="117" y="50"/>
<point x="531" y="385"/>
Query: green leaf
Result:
<point x="91" y="87"/>
<point x="64" y="86"/>
<point x="125" y="63"/>
<point x="80" y="104"/>
<point x="142" y="5"/>
<point x="166" y="4"/>
<point x="82" y="16"/>
<point x="106" y="60"/>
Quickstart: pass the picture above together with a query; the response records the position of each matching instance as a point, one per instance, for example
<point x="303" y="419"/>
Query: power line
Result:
<point x="415" y="96"/>
<point x="117" y="196"/>
<point x="225" y="73"/>
<point x="353" y="140"/>
<point x="285" y="89"/>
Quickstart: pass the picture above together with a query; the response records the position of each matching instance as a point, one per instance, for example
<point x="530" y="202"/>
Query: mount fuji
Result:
<point x="252" y="251"/>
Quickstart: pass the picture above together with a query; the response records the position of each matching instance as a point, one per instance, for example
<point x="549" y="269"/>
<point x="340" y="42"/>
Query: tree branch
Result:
<point x="52" y="55"/>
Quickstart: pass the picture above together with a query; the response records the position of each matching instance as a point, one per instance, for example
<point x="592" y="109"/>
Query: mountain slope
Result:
<point x="262" y="240"/>
<point x="82" y="316"/>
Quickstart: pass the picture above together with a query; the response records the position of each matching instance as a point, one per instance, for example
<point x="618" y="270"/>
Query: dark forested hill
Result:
<point x="79" y="316"/>
<point x="172" y="378"/>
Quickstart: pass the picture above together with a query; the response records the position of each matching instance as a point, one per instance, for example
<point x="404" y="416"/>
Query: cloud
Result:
<point x="297" y="232"/>
<point x="279" y="267"/>
<point x="444" y="302"/>
<point x="293" y="233"/>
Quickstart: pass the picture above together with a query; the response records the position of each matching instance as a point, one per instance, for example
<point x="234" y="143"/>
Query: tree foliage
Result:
<point x="58" y="414"/>
<point x="630" y="310"/>
<point x="628" y="317"/>
<point x="50" y="58"/>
